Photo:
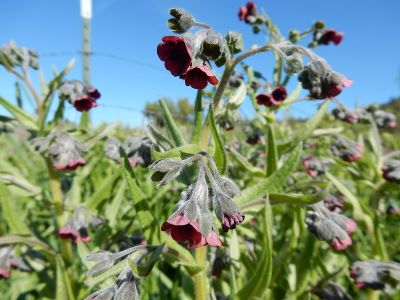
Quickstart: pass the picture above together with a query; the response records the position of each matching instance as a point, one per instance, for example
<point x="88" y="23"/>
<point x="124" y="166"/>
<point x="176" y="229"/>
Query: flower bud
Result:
<point x="347" y="150"/>
<point x="294" y="36"/>
<point x="81" y="96"/>
<point x="212" y="46"/>
<point x="314" y="167"/>
<point x="234" y="41"/>
<point x="293" y="64"/>
<point x="182" y="20"/>
<point x="319" y="25"/>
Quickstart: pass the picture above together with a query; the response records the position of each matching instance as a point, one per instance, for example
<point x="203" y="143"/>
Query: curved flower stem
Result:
<point x="230" y="66"/>
<point x="200" y="279"/>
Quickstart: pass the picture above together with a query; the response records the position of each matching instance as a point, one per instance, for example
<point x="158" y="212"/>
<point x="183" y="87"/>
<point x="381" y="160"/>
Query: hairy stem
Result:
<point x="200" y="279"/>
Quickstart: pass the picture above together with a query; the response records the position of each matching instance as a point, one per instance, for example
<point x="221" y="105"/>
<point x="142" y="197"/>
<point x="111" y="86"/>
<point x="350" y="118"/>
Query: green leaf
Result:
<point x="305" y="130"/>
<point x="11" y="213"/>
<point x="147" y="221"/>
<point x="271" y="152"/>
<point x="176" y="152"/>
<point x="115" y="205"/>
<point x="172" y="128"/>
<point x="103" y="192"/>
<point x="273" y="183"/>
<point x="245" y="163"/>
<point x="219" y="154"/>
<point x="27" y="240"/>
<point x="146" y="264"/>
<point x="261" y="278"/>
<point x="24" y="118"/>
<point x="198" y="118"/>
<point x="63" y="285"/>
<point x="238" y="96"/>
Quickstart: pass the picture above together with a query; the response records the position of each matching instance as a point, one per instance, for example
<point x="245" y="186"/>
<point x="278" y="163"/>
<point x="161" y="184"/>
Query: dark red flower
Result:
<point x="68" y="232"/>
<point x="93" y="92"/>
<point x="198" y="77"/>
<point x="85" y="103"/>
<point x="230" y="222"/>
<point x="181" y="229"/>
<point x="279" y="94"/>
<point x="336" y="89"/>
<point x="246" y="11"/>
<point x="331" y="35"/>
<point x="175" y="54"/>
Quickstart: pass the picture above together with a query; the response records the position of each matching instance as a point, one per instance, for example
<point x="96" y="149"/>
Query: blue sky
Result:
<point x="369" y="53"/>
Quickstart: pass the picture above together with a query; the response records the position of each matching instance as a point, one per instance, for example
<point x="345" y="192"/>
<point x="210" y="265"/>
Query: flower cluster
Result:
<point x="125" y="286"/>
<point x="138" y="150"/>
<point x="248" y="13"/>
<point x="188" y="56"/>
<point x="192" y="220"/>
<point x="321" y="81"/>
<point x="12" y="56"/>
<point x="347" y="150"/>
<point x="384" y="119"/>
<point x="76" y="228"/>
<point x="81" y="96"/>
<point x="277" y="96"/>
<point x="9" y="261"/>
<point x="331" y="291"/>
<point x="64" y="151"/>
<point x="331" y="227"/>
<point x="391" y="170"/>
<point x="375" y="274"/>
<point x="314" y="167"/>
<point x="344" y="114"/>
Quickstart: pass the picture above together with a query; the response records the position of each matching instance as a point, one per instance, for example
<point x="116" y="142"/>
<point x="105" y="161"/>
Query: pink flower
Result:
<point x="68" y="232"/>
<point x="341" y="244"/>
<point x="198" y="77"/>
<point x="4" y="273"/>
<point x="181" y="229"/>
<point x="175" y="54"/>
<point x="335" y="89"/>
<point x="331" y="35"/>
<point x="69" y="166"/>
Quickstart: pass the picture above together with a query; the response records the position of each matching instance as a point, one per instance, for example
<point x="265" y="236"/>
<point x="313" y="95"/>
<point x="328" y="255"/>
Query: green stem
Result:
<point x="373" y="295"/>
<point x="200" y="279"/>
<point x="57" y="195"/>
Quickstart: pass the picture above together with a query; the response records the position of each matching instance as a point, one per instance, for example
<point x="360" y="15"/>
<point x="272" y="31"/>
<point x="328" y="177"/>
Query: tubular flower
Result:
<point x="199" y="76"/>
<point x="81" y="96"/>
<point x="76" y="228"/>
<point x="176" y="54"/>
<point x="375" y="274"/>
<point x="277" y="96"/>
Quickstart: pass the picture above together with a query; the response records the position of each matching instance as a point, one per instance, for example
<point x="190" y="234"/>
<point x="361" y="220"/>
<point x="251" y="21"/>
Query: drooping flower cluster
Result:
<point x="384" y="119"/>
<point x="125" y="286"/>
<point x="189" y="56"/>
<point x="347" y="150"/>
<point x="391" y="170"/>
<point x="76" y="228"/>
<point x="321" y="81"/>
<point x="314" y="167"/>
<point x="64" y="151"/>
<point x="344" y="114"/>
<point x="81" y="96"/>
<point x="13" y="56"/>
<point x="138" y="150"/>
<point x="332" y="227"/>
<point x="331" y="291"/>
<point x="192" y="220"/>
<point x="277" y="96"/>
<point x="375" y="274"/>
<point x="9" y="261"/>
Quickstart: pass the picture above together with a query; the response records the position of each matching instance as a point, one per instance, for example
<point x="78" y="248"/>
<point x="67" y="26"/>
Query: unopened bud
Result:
<point x="182" y="20"/>
<point x="235" y="41"/>
<point x="212" y="46"/>
<point x="294" y="36"/>
<point x="319" y="25"/>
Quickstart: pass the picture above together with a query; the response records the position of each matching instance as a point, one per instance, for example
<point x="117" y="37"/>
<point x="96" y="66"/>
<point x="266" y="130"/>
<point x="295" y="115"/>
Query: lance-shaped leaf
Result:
<point x="273" y="183"/>
<point x="146" y="263"/>
<point x="63" y="285"/>
<point x="172" y="128"/>
<point x="176" y="152"/>
<point x="272" y="152"/>
<point x="23" y="117"/>
<point x="198" y="117"/>
<point x="219" y="154"/>
<point x="245" y="163"/>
